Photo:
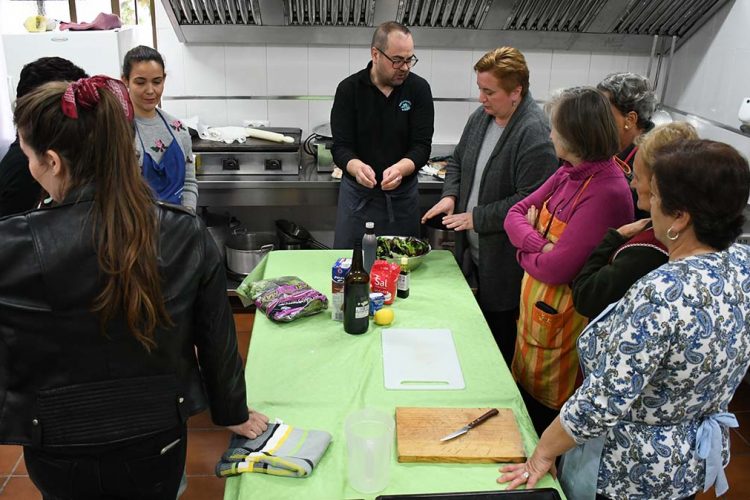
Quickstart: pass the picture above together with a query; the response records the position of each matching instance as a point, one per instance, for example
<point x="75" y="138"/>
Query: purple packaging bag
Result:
<point x="287" y="298"/>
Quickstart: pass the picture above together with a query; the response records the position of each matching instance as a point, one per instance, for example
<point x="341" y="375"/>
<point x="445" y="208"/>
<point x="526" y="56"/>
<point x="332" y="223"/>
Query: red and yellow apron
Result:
<point x="545" y="362"/>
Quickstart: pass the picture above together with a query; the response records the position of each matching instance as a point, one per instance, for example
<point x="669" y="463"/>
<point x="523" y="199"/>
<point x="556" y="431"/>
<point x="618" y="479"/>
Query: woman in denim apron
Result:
<point x="163" y="144"/>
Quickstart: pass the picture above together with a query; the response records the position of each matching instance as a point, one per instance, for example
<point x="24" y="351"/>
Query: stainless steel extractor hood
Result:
<point x="600" y="25"/>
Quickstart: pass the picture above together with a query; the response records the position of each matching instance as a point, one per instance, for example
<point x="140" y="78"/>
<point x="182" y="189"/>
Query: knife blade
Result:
<point x="471" y="425"/>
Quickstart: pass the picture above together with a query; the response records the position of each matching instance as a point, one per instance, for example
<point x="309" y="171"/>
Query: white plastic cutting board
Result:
<point x="420" y="359"/>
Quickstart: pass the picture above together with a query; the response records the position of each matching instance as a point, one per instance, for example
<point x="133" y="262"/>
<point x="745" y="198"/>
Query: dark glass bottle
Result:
<point x="403" y="279"/>
<point x="369" y="245"/>
<point x="357" y="295"/>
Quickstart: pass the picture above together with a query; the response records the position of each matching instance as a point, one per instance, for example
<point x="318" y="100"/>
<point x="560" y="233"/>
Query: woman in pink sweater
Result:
<point x="555" y="229"/>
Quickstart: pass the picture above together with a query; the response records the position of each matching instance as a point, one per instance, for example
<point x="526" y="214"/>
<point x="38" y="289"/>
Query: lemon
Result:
<point x="383" y="317"/>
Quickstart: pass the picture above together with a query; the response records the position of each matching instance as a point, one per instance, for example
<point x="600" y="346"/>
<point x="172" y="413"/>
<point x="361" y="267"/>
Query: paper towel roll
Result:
<point x="268" y="136"/>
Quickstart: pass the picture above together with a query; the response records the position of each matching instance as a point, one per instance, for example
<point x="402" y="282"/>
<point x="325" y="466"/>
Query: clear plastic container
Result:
<point x="369" y="445"/>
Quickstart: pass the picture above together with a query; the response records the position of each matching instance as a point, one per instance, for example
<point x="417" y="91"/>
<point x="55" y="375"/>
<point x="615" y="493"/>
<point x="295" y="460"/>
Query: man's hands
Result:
<point x="362" y="172"/>
<point x="392" y="176"/>
<point x="253" y="427"/>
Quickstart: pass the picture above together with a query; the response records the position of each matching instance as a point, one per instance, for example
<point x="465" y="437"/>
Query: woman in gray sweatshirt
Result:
<point x="503" y="155"/>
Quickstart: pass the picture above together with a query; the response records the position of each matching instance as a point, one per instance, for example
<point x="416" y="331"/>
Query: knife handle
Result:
<point x="482" y="418"/>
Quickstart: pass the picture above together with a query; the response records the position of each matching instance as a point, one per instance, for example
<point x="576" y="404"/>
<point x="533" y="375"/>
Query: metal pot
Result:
<point x="245" y="250"/>
<point x="439" y="236"/>
<point x="219" y="227"/>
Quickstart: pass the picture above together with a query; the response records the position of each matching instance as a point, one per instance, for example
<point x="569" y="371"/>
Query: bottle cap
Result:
<point x="404" y="261"/>
<point x="370" y="225"/>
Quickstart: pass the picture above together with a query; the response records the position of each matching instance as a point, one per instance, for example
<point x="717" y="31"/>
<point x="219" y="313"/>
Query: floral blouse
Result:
<point x="671" y="353"/>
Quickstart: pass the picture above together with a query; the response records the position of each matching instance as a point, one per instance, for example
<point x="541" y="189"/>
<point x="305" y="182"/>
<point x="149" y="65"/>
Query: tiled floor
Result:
<point x="206" y="443"/>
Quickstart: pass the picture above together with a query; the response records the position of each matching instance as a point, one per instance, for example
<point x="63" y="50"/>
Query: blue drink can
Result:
<point x="377" y="300"/>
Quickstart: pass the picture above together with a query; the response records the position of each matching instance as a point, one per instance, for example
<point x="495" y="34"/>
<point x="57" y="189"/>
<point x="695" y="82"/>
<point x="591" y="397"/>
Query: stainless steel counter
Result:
<point x="307" y="188"/>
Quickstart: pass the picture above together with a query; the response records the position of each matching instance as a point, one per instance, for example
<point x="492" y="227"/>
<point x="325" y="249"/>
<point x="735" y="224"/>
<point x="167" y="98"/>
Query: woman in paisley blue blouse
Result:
<point x="661" y="365"/>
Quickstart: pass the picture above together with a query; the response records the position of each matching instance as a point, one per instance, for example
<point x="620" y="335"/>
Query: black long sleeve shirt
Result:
<point x="604" y="280"/>
<point x="18" y="189"/>
<point x="380" y="130"/>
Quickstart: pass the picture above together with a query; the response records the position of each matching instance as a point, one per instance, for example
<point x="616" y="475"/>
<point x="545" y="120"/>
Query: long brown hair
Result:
<point x="97" y="149"/>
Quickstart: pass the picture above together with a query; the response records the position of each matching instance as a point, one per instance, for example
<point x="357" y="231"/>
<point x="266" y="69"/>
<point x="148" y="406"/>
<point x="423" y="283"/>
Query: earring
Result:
<point x="627" y="127"/>
<point x="671" y="236"/>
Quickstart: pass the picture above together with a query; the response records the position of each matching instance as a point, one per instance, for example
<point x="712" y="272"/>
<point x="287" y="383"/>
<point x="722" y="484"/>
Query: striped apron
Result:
<point x="545" y="362"/>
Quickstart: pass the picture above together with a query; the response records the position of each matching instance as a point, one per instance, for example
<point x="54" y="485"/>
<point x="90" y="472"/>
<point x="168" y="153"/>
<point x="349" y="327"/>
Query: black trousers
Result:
<point x="541" y="416"/>
<point x="145" y="468"/>
<point x="503" y="327"/>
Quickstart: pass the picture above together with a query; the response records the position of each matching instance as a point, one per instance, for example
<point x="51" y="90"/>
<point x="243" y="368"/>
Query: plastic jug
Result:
<point x="369" y="444"/>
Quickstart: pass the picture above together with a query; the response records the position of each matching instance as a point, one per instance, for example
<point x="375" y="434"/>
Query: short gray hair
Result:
<point x="631" y="92"/>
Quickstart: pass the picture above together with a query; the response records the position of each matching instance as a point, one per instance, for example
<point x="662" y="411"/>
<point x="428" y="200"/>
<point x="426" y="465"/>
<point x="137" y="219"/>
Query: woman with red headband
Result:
<point x="107" y="344"/>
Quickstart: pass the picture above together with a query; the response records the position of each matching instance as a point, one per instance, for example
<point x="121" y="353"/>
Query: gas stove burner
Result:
<point x="252" y="157"/>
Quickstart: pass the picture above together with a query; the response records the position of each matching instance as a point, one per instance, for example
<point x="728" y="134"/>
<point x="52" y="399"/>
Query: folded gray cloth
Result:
<point x="282" y="450"/>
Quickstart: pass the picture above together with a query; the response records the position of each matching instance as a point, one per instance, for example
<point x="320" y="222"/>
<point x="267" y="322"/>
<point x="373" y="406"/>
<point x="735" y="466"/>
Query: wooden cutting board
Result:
<point x="418" y="433"/>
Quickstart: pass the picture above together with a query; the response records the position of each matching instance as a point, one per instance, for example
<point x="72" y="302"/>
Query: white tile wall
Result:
<point x="246" y="70"/>
<point x="287" y="70"/>
<point x="171" y="49"/>
<point x="212" y="112"/>
<point x="205" y="70"/>
<point x="638" y="63"/>
<point x="604" y="64"/>
<point x="319" y="113"/>
<point x="569" y="69"/>
<point x="327" y="67"/>
<point x="289" y="114"/>
<point x="359" y="56"/>
<point x="177" y="109"/>
<point x="452" y="73"/>
<point x="424" y="66"/>
<point x="540" y="72"/>
<point x="450" y="118"/>
<point x="710" y="72"/>
<point x="239" y="110"/>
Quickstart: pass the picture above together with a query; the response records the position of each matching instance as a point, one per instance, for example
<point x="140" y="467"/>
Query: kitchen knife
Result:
<point x="471" y="425"/>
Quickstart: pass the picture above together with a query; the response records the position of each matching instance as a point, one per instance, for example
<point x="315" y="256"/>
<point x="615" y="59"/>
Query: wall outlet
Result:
<point x="255" y="123"/>
<point x="744" y="239"/>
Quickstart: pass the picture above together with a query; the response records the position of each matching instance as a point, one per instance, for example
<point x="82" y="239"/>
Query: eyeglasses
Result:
<point x="400" y="61"/>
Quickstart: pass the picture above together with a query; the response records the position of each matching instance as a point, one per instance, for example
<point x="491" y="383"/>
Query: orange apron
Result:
<point x="545" y="362"/>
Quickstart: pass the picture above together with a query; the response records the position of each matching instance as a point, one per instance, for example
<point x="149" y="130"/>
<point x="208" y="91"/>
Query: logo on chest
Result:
<point x="404" y="105"/>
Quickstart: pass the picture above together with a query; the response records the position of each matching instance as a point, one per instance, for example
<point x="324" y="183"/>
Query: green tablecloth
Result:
<point x="311" y="374"/>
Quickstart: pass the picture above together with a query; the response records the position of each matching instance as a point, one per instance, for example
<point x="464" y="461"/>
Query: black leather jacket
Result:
<point x="59" y="374"/>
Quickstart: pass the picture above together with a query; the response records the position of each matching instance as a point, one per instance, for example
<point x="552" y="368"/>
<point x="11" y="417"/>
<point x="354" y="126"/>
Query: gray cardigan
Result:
<point x="522" y="160"/>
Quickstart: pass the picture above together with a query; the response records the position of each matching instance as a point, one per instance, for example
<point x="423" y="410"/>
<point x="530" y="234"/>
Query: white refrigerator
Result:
<point x="96" y="52"/>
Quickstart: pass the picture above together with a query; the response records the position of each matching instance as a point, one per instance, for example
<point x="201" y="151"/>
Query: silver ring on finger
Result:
<point x="525" y="474"/>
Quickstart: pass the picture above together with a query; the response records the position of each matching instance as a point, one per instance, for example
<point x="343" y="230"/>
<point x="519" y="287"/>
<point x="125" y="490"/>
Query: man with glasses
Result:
<point x="382" y="124"/>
